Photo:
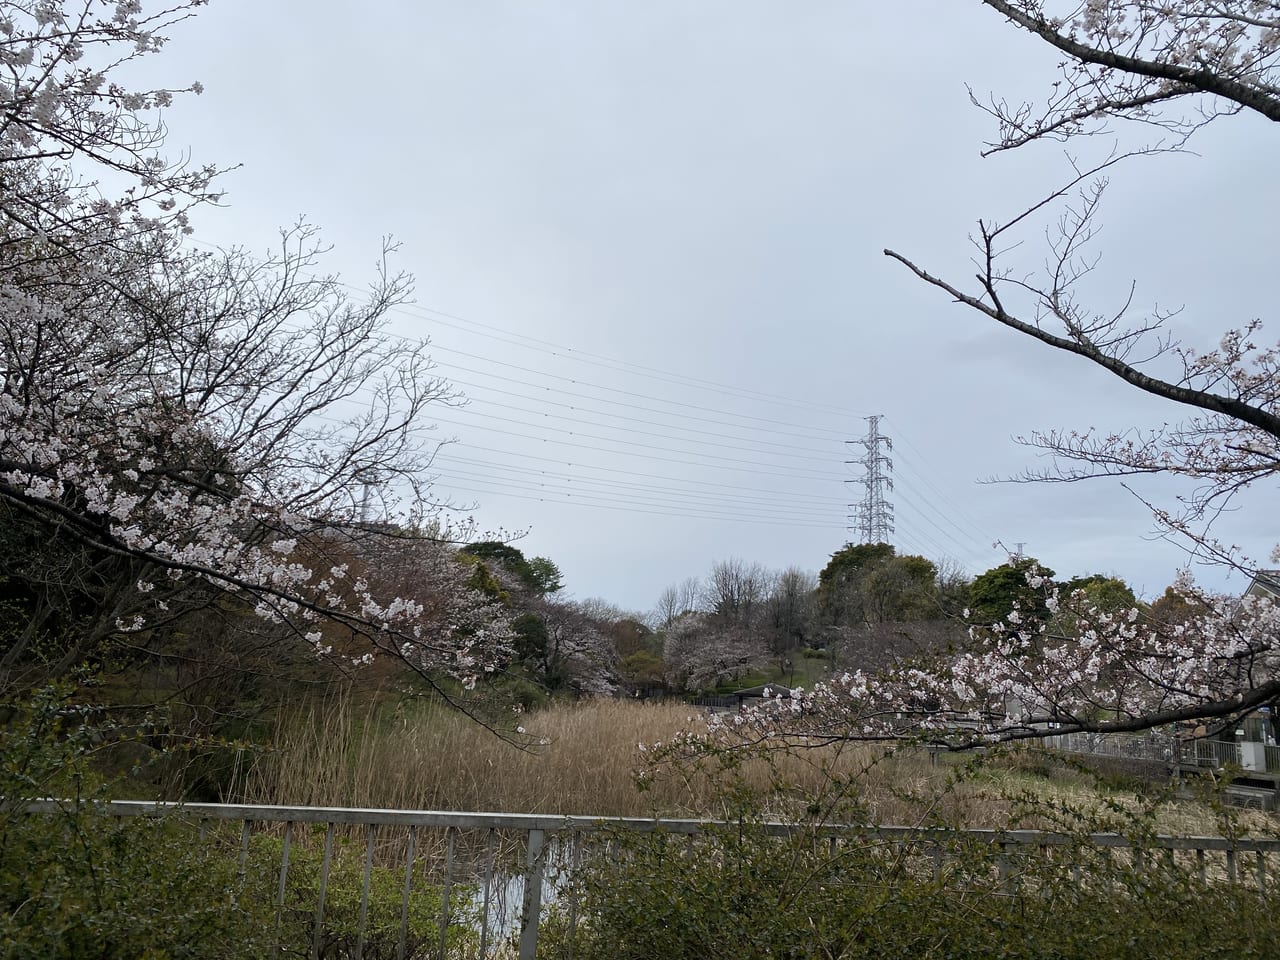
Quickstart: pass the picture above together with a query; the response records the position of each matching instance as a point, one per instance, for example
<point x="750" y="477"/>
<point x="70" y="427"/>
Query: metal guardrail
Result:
<point x="1211" y="753"/>
<point x="1119" y="745"/>
<point x="1272" y="753"/>
<point x="1214" y="754"/>
<point x="494" y="870"/>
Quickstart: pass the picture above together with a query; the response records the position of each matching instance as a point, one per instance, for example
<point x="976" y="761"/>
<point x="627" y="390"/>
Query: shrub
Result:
<point x="340" y="933"/>
<point x="738" y="893"/>
<point x="75" y="883"/>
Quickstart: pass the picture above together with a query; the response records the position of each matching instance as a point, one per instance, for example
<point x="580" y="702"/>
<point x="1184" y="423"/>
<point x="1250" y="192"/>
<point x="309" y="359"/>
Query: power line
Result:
<point x="964" y="542"/>
<point x="616" y="390"/>
<point x="520" y="493"/>
<point x="583" y="356"/>
<point x="752" y="446"/>
<point x="791" y="433"/>
<point x="752" y="464"/>
<point x="676" y="437"/>
<point x="648" y="497"/>
<point x="574" y="354"/>
<point x="923" y="474"/>
<point x="568" y="481"/>
<point x="741" y="493"/>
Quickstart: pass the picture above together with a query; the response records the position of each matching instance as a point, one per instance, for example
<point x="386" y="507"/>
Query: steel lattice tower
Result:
<point x="872" y="519"/>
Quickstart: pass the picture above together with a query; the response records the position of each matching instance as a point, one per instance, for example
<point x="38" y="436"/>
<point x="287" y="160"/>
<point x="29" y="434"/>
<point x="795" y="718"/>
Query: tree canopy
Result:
<point x="182" y="427"/>
<point x="870" y="583"/>
<point x="1001" y="590"/>
<point x="538" y="574"/>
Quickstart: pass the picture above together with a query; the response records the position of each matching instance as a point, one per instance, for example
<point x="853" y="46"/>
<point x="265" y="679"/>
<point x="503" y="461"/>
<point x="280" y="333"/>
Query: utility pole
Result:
<point x="872" y="518"/>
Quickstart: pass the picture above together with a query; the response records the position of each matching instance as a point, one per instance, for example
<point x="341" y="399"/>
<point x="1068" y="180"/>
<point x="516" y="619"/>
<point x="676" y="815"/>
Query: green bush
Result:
<point x="740" y="894"/>
<point x="77" y="883"/>
<point x="737" y="892"/>
<point x="74" y="883"/>
<point x="340" y="932"/>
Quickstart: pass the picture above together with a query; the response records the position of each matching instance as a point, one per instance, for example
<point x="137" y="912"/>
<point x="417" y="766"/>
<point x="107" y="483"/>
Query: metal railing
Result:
<point x="1214" y="754"/>
<point x="494" y="872"/>
<point x="1119" y="745"/>
<point x="1272" y="752"/>
<point x="1210" y="753"/>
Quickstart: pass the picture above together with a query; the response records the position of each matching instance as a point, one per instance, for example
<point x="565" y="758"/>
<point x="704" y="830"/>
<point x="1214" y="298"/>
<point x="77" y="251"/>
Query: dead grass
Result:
<point x="415" y="755"/>
<point x="408" y="754"/>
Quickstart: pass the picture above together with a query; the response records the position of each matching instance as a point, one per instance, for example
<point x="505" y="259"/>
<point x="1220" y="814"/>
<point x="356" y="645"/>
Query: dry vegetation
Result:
<point x="410" y="754"/>
<point x="415" y="755"/>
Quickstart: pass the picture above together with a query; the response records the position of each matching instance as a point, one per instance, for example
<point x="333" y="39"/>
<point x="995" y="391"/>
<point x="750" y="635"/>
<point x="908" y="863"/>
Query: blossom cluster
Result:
<point x="1081" y="668"/>
<point x="213" y="420"/>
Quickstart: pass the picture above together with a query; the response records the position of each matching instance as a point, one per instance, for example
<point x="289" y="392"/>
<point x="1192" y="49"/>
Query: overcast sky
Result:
<point x="647" y="240"/>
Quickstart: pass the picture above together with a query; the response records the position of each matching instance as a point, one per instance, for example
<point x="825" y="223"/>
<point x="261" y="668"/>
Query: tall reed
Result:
<point x="407" y="754"/>
<point x="382" y="750"/>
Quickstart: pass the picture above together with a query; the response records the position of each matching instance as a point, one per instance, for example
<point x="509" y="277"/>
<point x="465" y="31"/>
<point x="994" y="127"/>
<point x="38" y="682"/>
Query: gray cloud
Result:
<point x="701" y="193"/>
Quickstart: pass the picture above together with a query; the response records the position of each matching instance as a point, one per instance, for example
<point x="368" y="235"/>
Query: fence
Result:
<point x="1211" y="753"/>
<point x="1246" y="754"/>
<point x="1160" y="747"/>
<point x="494" y="873"/>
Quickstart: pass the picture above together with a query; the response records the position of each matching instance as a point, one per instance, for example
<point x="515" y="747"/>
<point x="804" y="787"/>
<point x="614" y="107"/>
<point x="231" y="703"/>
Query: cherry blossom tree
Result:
<point x="701" y="651"/>
<point x="1171" y="67"/>
<point x="193" y="421"/>
<point x="577" y="650"/>
<point x="1163" y="71"/>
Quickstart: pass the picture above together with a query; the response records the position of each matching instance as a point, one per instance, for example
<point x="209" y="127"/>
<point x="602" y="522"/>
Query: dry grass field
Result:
<point x="410" y="754"/>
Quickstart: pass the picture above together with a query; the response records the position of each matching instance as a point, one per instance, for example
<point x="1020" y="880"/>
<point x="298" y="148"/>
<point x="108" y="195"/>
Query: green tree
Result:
<point x="511" y="558"/>
<point x="1107" y="594"/>
<point x="644" y="668"/>
<point x="1081" y="599"/>
<point x="630" y="636"/>
<point x="531" y="637"/>
<point x="1175" y="608"/>
<point x="899" y="590"/>
<point x="998" y="592"/>
<point x="537" y="574"/>
<point x="545" y="575"/>
<point x="484" y="582"/>
<point x="869" y="583"/>
<point x="839" y="579"/>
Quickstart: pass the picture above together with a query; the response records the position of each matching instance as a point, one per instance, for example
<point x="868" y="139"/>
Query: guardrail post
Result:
<point x="243" y="864"/>
<point x="317" y="941"/>
<point x="450" y="840"/>
<point x="364" y="892"/>
<point x="282" y="887"/>
<point x="532" y="895"/>
<point x="403" y="940"/>
<point x="488" y="896"/>
<point x="575" y="861"/>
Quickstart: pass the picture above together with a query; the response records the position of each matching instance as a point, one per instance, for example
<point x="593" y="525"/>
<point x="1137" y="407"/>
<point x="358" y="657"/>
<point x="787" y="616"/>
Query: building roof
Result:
<point x="1265" y="583"/>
